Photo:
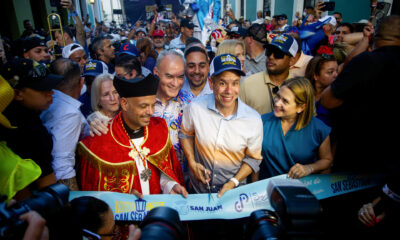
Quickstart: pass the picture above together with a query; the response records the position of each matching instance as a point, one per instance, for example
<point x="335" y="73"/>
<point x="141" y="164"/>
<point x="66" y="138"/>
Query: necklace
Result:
<point x="134" y="152"/>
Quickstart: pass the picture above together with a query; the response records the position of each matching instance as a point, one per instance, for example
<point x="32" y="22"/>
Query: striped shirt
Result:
<point x="222" y="143"/>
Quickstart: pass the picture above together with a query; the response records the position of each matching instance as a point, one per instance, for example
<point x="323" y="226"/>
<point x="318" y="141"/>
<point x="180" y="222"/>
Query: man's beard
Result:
<point x="159" y="45"/>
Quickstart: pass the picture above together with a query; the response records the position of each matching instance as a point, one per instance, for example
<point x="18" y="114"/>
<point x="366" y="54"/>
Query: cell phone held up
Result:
<point x="55" y="3"/>
<point x="328" y="6"/>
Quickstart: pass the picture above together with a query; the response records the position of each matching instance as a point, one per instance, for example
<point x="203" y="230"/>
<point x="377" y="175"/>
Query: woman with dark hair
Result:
<point x="148" y="55"/>
<point x="322" y="70"/>
<point x="127" y="66"/>
<point x="93" y="216"/>
<point x="295" y="142"/>
<point x="83" y="216"/>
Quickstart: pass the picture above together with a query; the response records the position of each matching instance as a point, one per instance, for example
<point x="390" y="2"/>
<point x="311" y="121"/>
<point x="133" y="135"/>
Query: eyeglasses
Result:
<point x="278" y="54"/>
<point x="234" y="35"/>
<point x="94" y="236"/>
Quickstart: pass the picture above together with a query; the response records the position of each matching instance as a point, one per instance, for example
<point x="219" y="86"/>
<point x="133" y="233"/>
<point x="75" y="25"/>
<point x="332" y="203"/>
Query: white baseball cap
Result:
<point x="329" y="19"/>
<point x="70" y="49"/>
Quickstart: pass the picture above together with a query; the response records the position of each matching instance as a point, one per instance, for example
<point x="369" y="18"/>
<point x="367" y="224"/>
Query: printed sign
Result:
<point x="236" y="203"/>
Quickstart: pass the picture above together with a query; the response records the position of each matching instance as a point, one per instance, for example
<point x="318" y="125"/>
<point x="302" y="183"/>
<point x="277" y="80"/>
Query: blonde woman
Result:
<point x="235" y="47"/>
<point x="104" y="97"/>
<point x="295" y="142"/>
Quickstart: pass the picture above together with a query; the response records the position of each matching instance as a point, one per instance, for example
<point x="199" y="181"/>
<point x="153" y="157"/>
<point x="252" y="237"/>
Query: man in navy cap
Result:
<point x="235" y="154"/>
<point x="237" y="33"/>
<point x="187" y="30"/>
<point x="221" y="137"/>
<point x="33" y="92"/>
<point x="129" y="49"/>
<point x="259" y="89"/>
<point x="282" y="23"/>
<point x="35" y="48"/>
<point x="91" y="70"/>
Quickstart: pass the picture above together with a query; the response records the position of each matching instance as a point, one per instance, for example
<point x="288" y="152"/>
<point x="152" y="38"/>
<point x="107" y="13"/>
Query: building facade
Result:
<point x="352" y="10"/>
<point x="14" y="12"/>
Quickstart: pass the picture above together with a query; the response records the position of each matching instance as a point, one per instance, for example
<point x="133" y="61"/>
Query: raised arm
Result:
<point x="80" y="31"/>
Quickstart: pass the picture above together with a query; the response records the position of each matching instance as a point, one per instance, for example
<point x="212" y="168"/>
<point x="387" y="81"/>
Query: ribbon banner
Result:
<point x="237" y="203"/>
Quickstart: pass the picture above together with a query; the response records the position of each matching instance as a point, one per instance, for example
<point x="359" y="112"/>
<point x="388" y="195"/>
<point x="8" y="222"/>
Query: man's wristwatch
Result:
<point x="235" y="181"/>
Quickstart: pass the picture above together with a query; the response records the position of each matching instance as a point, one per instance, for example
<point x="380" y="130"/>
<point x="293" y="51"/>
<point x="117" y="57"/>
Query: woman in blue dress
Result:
<point x="295" y="142"/>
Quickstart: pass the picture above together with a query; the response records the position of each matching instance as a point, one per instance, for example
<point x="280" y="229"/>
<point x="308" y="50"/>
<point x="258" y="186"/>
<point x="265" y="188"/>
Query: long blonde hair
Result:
<point x="304" y="94"/>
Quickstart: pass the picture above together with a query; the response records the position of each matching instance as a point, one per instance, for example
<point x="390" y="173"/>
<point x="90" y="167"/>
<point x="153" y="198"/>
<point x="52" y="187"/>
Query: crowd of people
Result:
<point x="150" y="109"/>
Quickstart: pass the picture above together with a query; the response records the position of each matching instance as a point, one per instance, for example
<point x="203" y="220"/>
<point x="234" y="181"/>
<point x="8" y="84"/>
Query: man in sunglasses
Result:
<point x="258" y="90"/>
<point x="237" y="33"/>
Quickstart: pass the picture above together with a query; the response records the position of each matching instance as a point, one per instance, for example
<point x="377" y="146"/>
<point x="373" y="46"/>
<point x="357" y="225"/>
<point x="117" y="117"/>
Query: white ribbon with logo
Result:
<point x="236" y="203"/>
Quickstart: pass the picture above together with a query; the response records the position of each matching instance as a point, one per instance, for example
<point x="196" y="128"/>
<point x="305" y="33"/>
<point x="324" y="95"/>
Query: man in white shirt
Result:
<point x="282" y="23"/>
<point x="65" y="121"/>
<point x="220" y="135"/>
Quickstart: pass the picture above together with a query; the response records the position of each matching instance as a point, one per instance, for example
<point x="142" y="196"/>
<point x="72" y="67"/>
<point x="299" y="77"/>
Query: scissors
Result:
<point x="208" y="185"/>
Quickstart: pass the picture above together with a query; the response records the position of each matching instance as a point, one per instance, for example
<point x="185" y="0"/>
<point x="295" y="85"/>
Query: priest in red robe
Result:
<point x="136" y="155"/>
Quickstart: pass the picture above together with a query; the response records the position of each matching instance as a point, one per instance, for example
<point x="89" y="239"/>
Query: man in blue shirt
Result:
<point x="187" y="30"/>
<point x="65" y="121"/>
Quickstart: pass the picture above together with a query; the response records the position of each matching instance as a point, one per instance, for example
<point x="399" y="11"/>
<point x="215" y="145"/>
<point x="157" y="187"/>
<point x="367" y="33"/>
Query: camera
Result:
<point x="297" y="214"/>
<point x="381" y="11"/>
<point x="47" y="202"/>
<point x="165" y="222"/>
<point x="328" y="6"/>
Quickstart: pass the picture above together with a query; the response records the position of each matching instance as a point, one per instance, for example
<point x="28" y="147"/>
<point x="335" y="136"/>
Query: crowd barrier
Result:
<point x="236" y="203"/>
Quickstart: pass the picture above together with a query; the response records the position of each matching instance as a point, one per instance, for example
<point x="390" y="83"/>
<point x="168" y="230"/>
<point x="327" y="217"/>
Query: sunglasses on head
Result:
<point x="278" y="54"/>
<point x="234" y="35"/>
<point x="328" y="56"/>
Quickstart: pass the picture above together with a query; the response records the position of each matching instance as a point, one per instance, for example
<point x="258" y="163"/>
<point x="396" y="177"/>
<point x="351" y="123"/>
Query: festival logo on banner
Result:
<point x="134" y="211"/>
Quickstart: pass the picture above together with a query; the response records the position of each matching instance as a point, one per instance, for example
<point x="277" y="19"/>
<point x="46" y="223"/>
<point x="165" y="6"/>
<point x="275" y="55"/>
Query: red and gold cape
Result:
<point x="105" y="164"/>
